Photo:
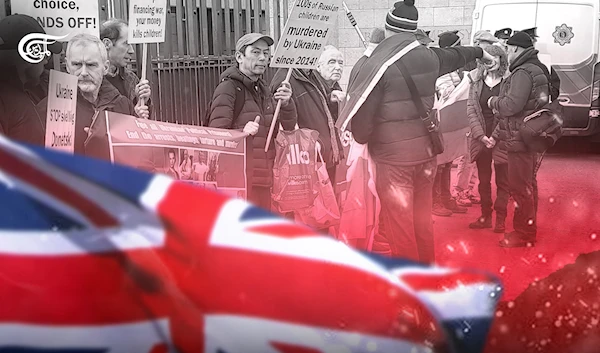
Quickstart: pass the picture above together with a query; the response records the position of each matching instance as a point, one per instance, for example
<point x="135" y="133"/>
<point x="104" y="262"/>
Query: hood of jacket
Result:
<point x="234" y="73"/>
<point x="528" y="55"/>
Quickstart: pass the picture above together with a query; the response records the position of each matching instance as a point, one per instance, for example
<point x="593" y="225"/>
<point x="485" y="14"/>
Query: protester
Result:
<point x="525" y="91"/>
<point x="252" y="58"/>
<point x="485" y="82"/>
<point x="466" y="176"/>
<point x="20" y="83"/>
<point x="317" y="94"/>
<point x="443" y="203"/>
<point x="114" y="35"/>
<point x="87" y="59"/>
<point x="377" y="36"/>
<point x="553" y="78"/>
<point x="398" y="139"/>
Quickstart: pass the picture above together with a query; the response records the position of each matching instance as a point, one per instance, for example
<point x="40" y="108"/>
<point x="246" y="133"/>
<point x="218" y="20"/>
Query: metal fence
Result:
<point x="186" y="86"/>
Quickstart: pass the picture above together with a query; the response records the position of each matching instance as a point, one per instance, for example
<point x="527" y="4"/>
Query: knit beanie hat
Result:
<point x="520" y="39"/>
<point x="403" y="17"/>
<point x="449" y="39"/>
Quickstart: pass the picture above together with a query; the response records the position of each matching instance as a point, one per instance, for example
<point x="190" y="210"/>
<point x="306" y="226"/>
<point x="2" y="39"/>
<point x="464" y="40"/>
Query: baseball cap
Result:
<point x="252" y="38"/>
<point x="14" y="27"/>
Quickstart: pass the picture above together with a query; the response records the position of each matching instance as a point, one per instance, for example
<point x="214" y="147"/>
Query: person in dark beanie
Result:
<point x="524" y="92"/>
<point x="444" y="204"/>
<point x="552" y="75"/>
<point x="385" y="116"/>
<point x="20" y="80"/>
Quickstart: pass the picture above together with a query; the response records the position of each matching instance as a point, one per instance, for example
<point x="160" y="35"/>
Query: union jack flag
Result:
<point x="96" y="257"/>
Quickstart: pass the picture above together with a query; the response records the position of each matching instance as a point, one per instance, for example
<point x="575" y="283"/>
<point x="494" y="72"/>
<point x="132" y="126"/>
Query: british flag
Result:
<point x="96" y="257"/>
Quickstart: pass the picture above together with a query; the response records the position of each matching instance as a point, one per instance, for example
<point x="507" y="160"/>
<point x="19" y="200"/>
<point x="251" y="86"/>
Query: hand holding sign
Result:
<point x="283" y="93"/>
<point x="141" y="110"/>
<point x="142" y="90"/>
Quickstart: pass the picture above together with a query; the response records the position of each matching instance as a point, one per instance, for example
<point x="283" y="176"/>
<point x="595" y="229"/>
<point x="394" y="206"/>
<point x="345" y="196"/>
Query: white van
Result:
<point x="568" y="32"/>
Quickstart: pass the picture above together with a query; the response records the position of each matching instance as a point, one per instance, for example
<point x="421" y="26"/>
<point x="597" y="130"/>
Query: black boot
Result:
<point x="500" y="226"/>
<point x="481" y="223"/>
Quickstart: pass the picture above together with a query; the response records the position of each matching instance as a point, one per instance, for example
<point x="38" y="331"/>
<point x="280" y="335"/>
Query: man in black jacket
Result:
<point x="524" y="92"/>
<point x="399" y="142"/>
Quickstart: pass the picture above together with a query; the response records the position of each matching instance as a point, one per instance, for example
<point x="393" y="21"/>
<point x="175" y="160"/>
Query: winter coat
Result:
<point x="130" y="80"/>
<point x="389" y="120"/>
<point x="109" y="99"/>
<point x="258" y="102"/>
<point x="477" y="122"/>
<point x="314" y="107"/>
<point x="524" y="92"/>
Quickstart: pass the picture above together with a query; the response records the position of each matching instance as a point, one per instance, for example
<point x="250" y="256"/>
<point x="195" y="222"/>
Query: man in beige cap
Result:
<point x="242" y="101"/>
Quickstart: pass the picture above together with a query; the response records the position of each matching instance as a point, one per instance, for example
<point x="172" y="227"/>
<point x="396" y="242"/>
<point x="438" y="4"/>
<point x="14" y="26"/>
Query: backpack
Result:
<point x="240" y="97"/>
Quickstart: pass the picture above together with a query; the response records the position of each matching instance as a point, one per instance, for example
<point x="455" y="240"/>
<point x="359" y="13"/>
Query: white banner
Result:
<point x="306" y="33"/>
<point x="62" y="106"/>
<point x="147" y="21"/>
<point x="62" y="17"/>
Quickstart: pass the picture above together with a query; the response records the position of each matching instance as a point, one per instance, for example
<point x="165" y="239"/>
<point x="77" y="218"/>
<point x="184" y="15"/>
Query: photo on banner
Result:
<point x="213" y="158"/>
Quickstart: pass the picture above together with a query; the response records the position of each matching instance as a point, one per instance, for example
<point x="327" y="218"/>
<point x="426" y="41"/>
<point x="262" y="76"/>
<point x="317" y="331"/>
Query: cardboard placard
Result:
<point x="62" y="17"/>
<point x="306" y="32"/>
<point x="147" y="21"/>
<point x="62" y="107"/>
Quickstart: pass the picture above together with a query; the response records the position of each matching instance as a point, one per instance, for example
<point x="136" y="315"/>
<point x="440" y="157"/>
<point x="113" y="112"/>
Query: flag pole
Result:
<point x="354" y="24"/>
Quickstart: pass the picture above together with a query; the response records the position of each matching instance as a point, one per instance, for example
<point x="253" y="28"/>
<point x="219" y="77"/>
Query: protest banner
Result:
<point x="60" y="117"/>
<point x="304" y="36"/>
<point x="147" y="23"/>
<point x="62" y="17"/>
<point x="209" y="157"/>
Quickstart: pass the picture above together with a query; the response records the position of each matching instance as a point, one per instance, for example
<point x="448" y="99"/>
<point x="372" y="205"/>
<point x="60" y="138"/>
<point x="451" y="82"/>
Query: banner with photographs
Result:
<point x="213" y="158"/>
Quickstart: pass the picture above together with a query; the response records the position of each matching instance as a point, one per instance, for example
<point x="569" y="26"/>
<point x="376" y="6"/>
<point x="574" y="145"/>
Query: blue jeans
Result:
<point x="405" y="193"/>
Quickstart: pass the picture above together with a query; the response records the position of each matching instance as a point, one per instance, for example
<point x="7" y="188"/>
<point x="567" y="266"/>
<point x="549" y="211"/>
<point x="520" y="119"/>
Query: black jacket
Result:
<point x="312" y="104"/>
<point x="388" y="120"/>
<point x="109" y="99"/>
<point x="258" y="102"/>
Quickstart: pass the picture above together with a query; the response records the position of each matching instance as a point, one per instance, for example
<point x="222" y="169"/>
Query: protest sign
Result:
<point x="147" y="21"/>
<point x="306" y="32"/>
<point x="62" y="17"/>
<point x="209" y="157"/>
<point x="62" y="105"/>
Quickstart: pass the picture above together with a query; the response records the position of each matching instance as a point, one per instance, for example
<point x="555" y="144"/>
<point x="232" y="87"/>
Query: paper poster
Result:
<point x="306" y="33"/>
<point x="62" y="107"/>
<point x="62" y="17"/>
<point x="147" y="21"/>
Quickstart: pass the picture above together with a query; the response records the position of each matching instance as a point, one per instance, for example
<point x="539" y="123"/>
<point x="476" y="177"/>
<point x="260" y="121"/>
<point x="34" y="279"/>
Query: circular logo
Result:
<point x="563" y="34"/>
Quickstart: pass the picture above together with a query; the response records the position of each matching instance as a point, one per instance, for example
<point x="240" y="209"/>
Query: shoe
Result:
<point x="500" y="226"/>
<point x="481" y="223"/>
<point x="517" y="240"/>
<point x="439" y="210"/>
<point x="463" y="200"/>
<point x="454" y="207"/>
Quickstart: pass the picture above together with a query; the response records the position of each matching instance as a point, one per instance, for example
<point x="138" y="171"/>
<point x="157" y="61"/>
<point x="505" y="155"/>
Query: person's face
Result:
<point x="331" y="65"/>
<point x="255" y="60"/>
<point x="513" y="53"/>
<point x="495" y="65"/>
<point x="172" y="159"/>
<point x="185" y="154"/>
<point x="120" y="51"/>
<point x="85" y="62"/>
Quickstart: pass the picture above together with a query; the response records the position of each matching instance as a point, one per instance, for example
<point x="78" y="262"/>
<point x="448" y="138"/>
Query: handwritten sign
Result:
<point x="306" y="33"/>
<point x="62" y="105"/>
<point x="147" y="21"/>
<point x="62" y="17"/>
